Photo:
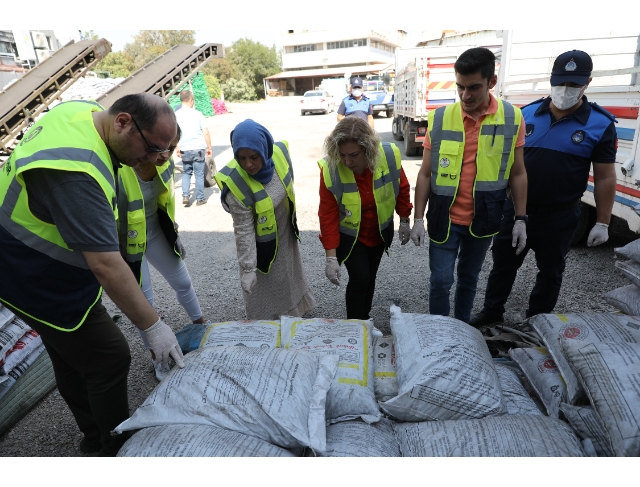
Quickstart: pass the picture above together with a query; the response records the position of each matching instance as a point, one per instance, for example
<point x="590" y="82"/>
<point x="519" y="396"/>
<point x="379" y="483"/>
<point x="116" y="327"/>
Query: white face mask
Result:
<point x="565" y="97"/>
<point x="356" y="92"/>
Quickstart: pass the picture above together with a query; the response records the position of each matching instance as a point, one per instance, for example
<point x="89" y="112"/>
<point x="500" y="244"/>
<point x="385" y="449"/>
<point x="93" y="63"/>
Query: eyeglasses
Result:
<point x="150" y="149"/>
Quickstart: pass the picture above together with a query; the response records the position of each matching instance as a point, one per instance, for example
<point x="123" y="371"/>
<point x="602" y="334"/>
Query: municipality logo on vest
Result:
<point x="262" y="219"/>
<point x="132" y="234"/>
<point x="444" y="162"/>
<point x="31" y="135"/>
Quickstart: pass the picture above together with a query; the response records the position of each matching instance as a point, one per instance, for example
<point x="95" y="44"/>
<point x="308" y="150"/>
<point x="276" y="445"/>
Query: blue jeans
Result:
<point x="442" y="259"/>
<point x="193" y="163"/>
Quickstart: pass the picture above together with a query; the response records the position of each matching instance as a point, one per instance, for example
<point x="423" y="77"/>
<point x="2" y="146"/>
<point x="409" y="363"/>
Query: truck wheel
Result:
<point x="389" y="113"/>
<point x="409" y="150"/>
<point x="395" y="130"/>
<point x="586" y="221"/>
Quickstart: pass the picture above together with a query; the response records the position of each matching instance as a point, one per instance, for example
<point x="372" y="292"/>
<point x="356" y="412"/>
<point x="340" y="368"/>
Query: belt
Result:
<point x="535" y="209"/>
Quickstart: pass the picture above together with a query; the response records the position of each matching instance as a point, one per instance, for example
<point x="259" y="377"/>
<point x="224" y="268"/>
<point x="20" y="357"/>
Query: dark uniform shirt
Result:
<point x="351" y="106"/>
<point x="558" y="153"/>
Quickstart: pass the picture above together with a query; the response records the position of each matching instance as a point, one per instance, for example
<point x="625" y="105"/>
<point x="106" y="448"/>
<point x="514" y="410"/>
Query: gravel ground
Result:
<point x="50" y="430"/>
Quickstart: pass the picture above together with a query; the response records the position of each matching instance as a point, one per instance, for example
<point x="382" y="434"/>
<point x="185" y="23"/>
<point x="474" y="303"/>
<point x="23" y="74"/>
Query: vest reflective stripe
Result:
<point x="132" y="224"/>
<point x="386" y="188"/>
<point x="494" y="158"/>
<point x="252" y="194"/>
<point x="53" y="283"/>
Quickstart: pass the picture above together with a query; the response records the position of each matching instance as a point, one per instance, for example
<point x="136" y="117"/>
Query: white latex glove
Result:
<point x="519" y="236"/>
<point x="181" y="248"/>
<point x="404" y="232"/>
<point x="418" y="233"/>
<point x="164" y="344"/>
<point x="332" y="270"/>
<point x="599" y="234"/>
<point x="248" y="280"/>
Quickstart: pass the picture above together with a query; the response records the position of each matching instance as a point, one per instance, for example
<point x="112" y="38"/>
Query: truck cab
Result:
<point x="381" y="99"/>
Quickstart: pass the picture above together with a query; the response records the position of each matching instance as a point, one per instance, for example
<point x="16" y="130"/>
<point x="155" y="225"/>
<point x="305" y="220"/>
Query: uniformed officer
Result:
<point x="356" y="104"/>
<point x="565" y="134"/>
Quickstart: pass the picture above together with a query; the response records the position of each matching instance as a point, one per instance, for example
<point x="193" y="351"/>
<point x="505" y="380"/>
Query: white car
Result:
<point x="317" y="101"/>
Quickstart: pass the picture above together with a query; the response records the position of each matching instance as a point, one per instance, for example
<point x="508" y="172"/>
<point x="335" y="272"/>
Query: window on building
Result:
<point x="347" y="44"/>
<point x="304" y="48"/>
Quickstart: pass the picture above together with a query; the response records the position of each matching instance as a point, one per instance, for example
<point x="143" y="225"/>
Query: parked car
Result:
<point x="317" y="101"/>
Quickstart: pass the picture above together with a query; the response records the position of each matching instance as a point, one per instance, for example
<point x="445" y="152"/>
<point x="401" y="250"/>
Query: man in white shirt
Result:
<point x="195" y="145"/>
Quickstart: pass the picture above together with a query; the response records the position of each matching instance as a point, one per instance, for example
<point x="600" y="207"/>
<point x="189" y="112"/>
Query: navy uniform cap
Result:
<point x="573" y="67"/>
<point x="356" y="82"/>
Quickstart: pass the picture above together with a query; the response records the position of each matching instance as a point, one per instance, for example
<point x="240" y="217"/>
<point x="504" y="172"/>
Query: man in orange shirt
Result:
<point x="472" y="152"/>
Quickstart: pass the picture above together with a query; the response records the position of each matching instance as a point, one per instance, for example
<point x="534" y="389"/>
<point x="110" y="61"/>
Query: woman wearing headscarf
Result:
<point x="257" y="189"/>
<point x="362" y="183"/>
<point x="148" y="233"/>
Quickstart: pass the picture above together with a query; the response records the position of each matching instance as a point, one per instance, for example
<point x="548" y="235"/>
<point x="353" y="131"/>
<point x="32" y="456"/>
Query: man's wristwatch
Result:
<point x="524" y="218"/>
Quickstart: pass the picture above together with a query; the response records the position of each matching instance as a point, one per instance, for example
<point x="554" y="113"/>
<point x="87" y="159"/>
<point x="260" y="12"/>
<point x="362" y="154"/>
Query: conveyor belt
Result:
<point x="166" y="73"/>
<point x="32" y="94"/>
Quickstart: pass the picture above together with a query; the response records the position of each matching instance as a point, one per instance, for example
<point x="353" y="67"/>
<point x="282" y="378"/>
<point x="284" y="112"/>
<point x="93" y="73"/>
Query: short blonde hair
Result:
<point x="352" y="129"/>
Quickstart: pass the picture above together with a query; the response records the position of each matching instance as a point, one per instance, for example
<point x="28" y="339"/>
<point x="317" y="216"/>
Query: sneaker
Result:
<point x="201" y="202"/>
<point x="185" y="200"/>
<point x="88" y="445"/>
<point x="482" y="319"/>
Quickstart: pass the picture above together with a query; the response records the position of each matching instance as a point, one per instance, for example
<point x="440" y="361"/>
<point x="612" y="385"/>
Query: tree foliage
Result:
<point x="213" y="86"/>
<point x="149" y="44"/>
<point x="118" y="64"/>
<point x="88" y="35"/>
<point x="239" y="90"/>
<point x="255" y="61"/>
<point x="222" y="69"/>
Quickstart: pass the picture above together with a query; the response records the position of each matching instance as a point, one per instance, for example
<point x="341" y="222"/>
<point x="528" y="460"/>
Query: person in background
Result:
<point x="356" y="104"/>
<point x="59" y="243"/>
<point x="473" y="150"/>
<point x="148" y="234"/>
<point x="362" y="183"/>
<point x="194" y="146"/>
<point x="566" y="136"/>
<point x="257" y="189"/>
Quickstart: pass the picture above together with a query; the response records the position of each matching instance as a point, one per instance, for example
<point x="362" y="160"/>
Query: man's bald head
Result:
<point x="145" y="108"/>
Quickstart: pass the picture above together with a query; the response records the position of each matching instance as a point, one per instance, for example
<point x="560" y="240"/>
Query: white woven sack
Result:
<point x="242" y="333"/>
<point x="385" y="379"/>
<point x="11" y="333"/>
<point x="585" y="328"/>
<point x="29" y="342"/>
<point x="6" y="316"/>
<point x="610" y="374"/>
<point x="9" y="380"/>
<point x="630" y="251"/>
<point x="502" y="436"/>
<point x="445" y="370"/>
<point x="585" y="423"/>
<point x="630" y="270"/>
<point x="188" y="440"/>
<point x="359" y="439"/>
<point x="273" y="394"/>
<point x="515" y="397"/>
<point x="625" y="298"/>
<point x="351" y="394"/>
<point x="543" y="375"/>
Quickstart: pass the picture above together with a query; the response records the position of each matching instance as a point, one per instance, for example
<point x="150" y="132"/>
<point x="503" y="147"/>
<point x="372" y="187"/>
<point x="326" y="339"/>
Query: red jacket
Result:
<point x="369" y="233"/>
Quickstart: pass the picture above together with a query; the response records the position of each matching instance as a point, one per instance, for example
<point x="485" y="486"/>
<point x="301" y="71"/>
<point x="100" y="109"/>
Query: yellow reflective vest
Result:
<point x="496" y="146"/>
<point x="252" y="194"/>
<point x="42" y="277"/>
<point x="386" y="187"/>
<point x="132" y="222"/>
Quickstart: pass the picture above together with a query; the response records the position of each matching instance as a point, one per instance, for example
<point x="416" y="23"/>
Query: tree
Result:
<point x="238" y="90"/>
<point x="255" y="60"/>
<point x="88" y="35"/>
<point x="118" y="64"/>
<point x="149" y="44"/>
<point x="223" y="69"/>
<point x="213" y="86"/>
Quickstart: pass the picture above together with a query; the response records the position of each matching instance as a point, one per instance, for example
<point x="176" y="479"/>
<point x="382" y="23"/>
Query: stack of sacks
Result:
<point x="450" y="398"/>
<point x="20" y="346"/>
<point x="627" y="298"/>
<point x="588" y="374"/>
<point x="218" y="106"/>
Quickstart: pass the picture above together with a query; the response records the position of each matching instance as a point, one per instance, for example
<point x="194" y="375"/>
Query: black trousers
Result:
<point x="362" y="266"/>
<point x="549" y="235"/>
<point x="91" y="365"/>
